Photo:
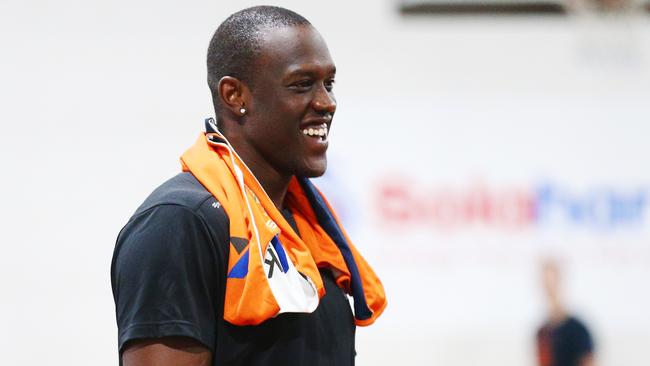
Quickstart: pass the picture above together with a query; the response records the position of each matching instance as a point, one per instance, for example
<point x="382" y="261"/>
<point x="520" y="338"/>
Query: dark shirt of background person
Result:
<point x="564" y="344"/>
<point x="562" y="340"/>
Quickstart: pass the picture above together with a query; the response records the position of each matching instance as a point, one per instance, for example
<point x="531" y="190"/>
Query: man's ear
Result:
<point x="234" y="95"/>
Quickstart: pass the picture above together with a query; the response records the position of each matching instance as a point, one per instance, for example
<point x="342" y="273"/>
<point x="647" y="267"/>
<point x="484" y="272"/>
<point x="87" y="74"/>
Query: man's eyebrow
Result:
<point x="310" y="71"/>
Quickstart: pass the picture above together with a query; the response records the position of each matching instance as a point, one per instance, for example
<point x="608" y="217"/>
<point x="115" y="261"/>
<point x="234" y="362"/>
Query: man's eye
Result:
<point x="303" y="84"/>
<point x="329" y="85"/>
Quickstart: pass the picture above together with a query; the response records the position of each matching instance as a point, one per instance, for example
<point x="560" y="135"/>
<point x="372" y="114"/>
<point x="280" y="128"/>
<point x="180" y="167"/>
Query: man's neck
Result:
<point x="274" y="183"/>
<point x="275" y="187"/>
<point x="557" y="313"/>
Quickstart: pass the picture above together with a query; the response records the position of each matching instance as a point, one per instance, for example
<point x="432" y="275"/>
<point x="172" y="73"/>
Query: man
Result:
<point x="239" y="260"/>
<point x="562" y="340"/>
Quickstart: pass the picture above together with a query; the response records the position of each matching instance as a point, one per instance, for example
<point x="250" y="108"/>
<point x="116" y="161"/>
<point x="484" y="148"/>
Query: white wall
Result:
<point x="100" y="98"/>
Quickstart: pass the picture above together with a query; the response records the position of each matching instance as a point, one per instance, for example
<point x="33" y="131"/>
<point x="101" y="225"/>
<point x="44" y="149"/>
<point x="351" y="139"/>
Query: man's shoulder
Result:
<point x="181" y="190"/>
<point x="185" y="192"/>
<point x="576" y="325"/>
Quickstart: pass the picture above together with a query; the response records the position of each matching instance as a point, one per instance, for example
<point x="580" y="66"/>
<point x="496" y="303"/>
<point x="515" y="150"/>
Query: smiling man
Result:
<point x="239" y="259"/>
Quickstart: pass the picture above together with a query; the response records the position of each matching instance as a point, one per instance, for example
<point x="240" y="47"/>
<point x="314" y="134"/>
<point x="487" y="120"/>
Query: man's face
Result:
<point x="292" y="103"/>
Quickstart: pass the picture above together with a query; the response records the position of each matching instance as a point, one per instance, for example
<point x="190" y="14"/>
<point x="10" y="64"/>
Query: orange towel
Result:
<point x="272" y="270"/>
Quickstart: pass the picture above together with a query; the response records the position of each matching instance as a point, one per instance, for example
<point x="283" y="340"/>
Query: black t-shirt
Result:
<point x="169" y="273"/>
<point x="564" y="344"/>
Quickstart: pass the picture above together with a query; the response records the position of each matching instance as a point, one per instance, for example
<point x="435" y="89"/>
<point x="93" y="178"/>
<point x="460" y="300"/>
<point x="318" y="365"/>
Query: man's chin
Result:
<point x="313" y="170"/>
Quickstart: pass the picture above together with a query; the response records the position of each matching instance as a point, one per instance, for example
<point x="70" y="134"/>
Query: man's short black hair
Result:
<point x="237" y="42"/>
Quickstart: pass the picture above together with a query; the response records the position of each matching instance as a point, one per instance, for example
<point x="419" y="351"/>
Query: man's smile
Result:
<point x="319" y="131"/>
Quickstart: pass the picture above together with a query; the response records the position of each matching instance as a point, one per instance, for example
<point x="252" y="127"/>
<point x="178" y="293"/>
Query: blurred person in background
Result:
<point x="562" y="340"/>
<point x="240" y="260"/>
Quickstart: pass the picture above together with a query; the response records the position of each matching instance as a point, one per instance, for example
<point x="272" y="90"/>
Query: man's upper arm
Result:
<point x="165" y="284"/>
<point x="171" y="351"/>
<point x="587" y="360"/>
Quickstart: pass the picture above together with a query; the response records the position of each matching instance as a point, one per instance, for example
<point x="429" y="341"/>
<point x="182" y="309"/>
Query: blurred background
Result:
<point x="473" y="141"/>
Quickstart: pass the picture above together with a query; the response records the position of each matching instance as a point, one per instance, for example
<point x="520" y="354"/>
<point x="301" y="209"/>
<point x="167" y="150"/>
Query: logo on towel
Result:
<point x="293" y="291"/>
<point x="275" y="257"/>
<point x="272" y="262"/>
<point x="271" y="225"/>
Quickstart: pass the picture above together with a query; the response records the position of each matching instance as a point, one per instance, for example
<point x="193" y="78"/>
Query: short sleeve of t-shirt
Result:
<point x="164" y="277"/>
<point x="583" y="342"/>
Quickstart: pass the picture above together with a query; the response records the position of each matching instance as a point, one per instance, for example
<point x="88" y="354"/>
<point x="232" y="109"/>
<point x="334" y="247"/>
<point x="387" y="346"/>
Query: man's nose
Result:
<point x="324" y="101"/>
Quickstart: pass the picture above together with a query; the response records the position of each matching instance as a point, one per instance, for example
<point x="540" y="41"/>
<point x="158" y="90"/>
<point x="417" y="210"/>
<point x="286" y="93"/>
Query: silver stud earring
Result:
<point x="242" y="111"/>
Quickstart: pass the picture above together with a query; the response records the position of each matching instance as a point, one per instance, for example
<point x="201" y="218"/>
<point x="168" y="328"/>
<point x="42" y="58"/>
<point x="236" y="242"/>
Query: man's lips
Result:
<point x="316" y="131"/>
<point x="316" y="122"/>
<point x="316" y="127"/>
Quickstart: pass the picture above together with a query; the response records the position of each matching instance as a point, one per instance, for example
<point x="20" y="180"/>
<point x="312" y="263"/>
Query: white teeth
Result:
<point x="321" y="131"/>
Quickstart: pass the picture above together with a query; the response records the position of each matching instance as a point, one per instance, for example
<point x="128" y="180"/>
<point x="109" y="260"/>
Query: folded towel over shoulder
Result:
<point x="272" y="270"/>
